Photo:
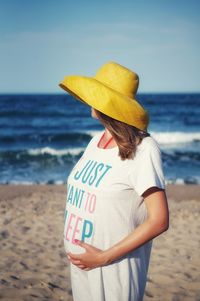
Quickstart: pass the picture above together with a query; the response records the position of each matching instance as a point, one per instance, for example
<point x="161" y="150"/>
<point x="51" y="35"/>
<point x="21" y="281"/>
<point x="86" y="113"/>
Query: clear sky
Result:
<point x="41" y="41"/>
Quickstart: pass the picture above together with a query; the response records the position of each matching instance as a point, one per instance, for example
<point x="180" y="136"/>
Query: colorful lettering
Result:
<point x="76" y="227"/>
<point x="91" y="172"/>
<point x="87" y="229"/>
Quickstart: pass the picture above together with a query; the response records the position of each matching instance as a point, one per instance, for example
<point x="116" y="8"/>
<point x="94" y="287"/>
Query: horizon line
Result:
<point x="65" y="93"/>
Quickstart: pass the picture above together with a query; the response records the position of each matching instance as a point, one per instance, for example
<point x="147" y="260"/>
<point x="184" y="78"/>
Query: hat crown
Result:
<point x="118" y="78"/>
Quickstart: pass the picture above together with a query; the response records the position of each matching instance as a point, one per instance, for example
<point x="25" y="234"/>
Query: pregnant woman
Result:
<point x="116" y="202"/>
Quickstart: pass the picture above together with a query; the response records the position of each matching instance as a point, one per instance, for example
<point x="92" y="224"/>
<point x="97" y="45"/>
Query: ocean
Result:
<point x="43" y="136"/>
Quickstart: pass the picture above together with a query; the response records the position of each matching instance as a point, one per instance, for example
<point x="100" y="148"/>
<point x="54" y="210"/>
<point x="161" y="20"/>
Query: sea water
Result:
<point x="43" y="136"/>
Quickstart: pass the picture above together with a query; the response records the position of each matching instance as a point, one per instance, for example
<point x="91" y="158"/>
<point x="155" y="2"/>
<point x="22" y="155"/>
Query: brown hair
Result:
<point x="126" y="136"/>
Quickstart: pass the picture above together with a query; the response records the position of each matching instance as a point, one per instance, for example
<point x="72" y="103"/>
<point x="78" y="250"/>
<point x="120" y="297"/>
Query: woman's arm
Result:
<point x="157" y="222"/>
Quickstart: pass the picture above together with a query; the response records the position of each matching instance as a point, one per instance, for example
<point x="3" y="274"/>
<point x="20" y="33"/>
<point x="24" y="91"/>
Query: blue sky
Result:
<point x="41" y="41"/>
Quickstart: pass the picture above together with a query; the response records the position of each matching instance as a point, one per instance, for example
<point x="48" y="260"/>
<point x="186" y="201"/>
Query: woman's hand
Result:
<point x="91" y="259"/>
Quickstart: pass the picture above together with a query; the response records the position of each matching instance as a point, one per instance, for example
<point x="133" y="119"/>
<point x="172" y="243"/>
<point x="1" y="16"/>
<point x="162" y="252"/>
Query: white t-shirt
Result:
<point x="104" y="205"/>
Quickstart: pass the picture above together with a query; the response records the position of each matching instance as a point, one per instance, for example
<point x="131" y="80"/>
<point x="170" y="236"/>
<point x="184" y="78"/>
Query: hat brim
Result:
<point x="106" y="100"/>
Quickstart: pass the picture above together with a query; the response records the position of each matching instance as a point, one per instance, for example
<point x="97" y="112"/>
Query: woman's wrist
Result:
<point x="105" y="258"/>
<point x="108" y="256"/>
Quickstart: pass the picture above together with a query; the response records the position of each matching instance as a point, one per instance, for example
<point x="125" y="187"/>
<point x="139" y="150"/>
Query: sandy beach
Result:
<point x="34" y="265"/>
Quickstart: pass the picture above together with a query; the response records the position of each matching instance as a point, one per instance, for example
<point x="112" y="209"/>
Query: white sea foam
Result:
<point x="165" y="138"/>
<point x="19" y="182"/>
<point x="175" y="137"/>
<point x="178" y="181"/>
<point x="55" y="152"/>
<point x="59" y="182"/>
<point x="15" y="182"/>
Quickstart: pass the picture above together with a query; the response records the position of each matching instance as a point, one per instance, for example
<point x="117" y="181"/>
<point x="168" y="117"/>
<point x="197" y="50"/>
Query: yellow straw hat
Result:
<point x="111" y="91"/>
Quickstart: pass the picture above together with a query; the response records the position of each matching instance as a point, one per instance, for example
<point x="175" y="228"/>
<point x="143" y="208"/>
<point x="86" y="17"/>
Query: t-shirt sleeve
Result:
<point x="148" y="169"/>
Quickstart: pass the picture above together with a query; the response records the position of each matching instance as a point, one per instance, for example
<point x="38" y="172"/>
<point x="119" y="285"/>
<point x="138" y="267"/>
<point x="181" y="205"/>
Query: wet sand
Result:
<point x="34" y="266"/>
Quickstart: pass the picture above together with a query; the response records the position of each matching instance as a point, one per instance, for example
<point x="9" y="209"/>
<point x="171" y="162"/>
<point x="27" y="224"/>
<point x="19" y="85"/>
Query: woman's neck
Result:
<point x="107" y="137"/>
<point x="107" y="134"/>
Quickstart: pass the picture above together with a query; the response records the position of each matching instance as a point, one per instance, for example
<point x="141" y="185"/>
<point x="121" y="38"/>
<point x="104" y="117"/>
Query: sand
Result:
<point x="34" y="265"/>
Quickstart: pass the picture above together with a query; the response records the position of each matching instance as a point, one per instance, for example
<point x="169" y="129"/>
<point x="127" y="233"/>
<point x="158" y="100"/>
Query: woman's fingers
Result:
<point x="73" y="256"/>
<point x="81" y="266"/>
<point x="75" y="261"/>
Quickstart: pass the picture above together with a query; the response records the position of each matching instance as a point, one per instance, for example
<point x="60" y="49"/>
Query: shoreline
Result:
<point x="176" y="191"/>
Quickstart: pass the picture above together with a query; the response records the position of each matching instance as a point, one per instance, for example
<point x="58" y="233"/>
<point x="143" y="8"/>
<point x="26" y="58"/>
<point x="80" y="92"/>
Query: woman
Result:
<point x="116" y="202"/>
